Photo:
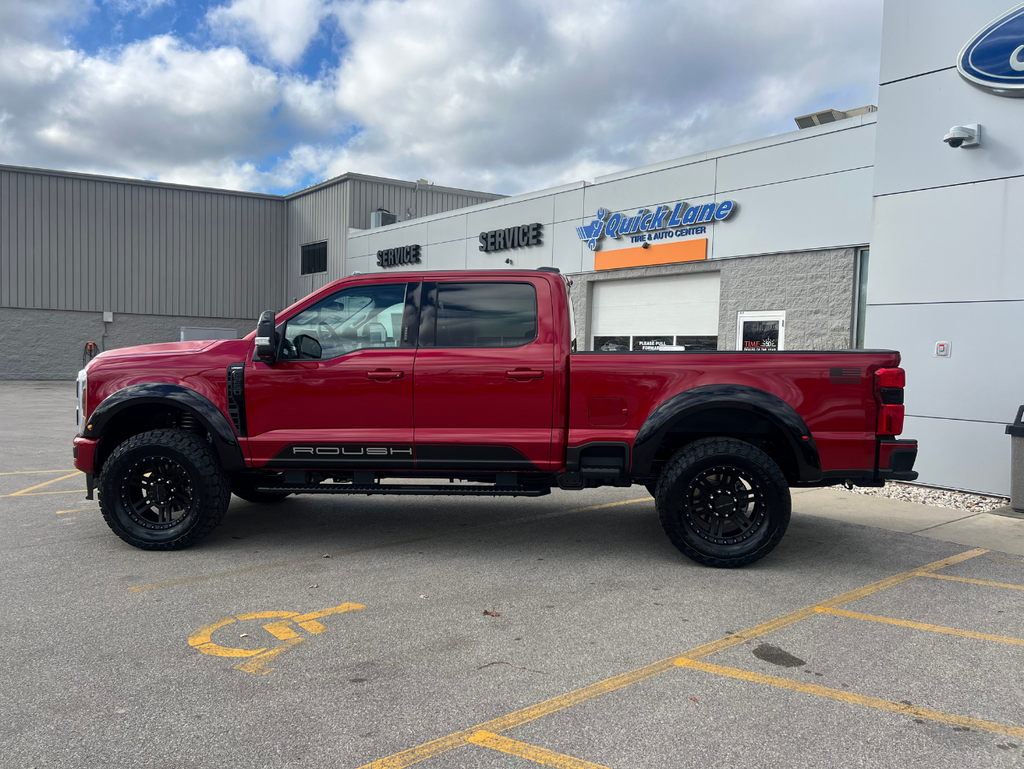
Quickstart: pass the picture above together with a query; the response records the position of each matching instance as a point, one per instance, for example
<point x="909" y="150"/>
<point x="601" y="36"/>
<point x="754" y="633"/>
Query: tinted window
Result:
<point x="353" y="319"/>
<point x="485" y="314"/>
<point x="314" y="258"/>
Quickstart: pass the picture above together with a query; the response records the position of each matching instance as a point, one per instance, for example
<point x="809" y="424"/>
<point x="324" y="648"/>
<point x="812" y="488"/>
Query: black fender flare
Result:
<point x="225" y="440"/>
<point x="654" y="429"/>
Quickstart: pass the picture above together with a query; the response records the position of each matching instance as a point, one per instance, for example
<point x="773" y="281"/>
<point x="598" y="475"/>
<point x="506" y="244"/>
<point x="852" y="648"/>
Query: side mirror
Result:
<point x="308" y="347"/>
<point x="266" y="338"/>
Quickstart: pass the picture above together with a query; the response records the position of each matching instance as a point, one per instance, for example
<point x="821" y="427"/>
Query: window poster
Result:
<point x="655" y="343"/>
<point x="651" y="343"/>
<point x="760" y="335"/>
<point x="697" y="343"/>
<point x="611" y="343"/>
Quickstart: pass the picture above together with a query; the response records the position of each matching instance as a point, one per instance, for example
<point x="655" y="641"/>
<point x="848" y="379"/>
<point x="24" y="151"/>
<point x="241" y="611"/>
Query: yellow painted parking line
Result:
<point x="76" y="510"/>
<point x="258" y="665"/>
<point x="43" y="493"/>
<point x="530" y="752"/>
<point x="563" y="701"/>
<point x="808" y="611"/>
<point x="975" y="581"/>
<point x="855" y="699"/>
<point x="1005" y="560"/>
<point x="378" y="546"/>
<point x="923" y="626"/>
<point x="24" y="492"/>
<point x="36" y="472"/>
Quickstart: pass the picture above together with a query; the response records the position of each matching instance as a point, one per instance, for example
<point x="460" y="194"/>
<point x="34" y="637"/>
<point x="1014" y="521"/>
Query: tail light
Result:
<point x="889" y="385"/>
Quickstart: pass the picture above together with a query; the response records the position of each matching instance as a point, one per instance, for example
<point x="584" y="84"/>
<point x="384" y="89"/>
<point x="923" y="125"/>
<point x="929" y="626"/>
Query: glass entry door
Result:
<point x="761" y="331"/>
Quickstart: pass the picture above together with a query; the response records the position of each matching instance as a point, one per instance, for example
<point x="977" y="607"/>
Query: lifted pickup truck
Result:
<point x="470" y="378"/>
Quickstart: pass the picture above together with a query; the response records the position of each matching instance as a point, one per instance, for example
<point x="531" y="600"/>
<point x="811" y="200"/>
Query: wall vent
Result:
<point x="832" y="115"/>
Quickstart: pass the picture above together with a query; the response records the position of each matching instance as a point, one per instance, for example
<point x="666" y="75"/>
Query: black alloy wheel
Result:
<point x="723" y="502"/>
<point x="157" y="492"/>
<point x="724" y="505"/>
<point x="163" y="490"/>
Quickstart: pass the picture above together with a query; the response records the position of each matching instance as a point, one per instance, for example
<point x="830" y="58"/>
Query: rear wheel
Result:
<point x="723" y="502"/>
<point x="163" y="490"/>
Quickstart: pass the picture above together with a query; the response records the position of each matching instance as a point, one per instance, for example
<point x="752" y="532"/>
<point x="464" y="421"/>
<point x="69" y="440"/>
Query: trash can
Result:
<point x="1016" y="431"/>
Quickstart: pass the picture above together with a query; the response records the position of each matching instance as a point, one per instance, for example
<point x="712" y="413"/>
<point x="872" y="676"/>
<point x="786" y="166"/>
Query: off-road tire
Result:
<point x="244" y="487"/>
<point x="195" y="468"/>
<point x="687" y="491"/>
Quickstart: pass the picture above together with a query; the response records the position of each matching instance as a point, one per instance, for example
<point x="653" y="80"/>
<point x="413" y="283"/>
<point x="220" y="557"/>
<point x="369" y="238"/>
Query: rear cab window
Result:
<point x="479" y="314"/>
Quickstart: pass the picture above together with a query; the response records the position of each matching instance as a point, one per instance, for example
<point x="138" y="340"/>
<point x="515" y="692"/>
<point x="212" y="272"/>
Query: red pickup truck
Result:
<point x="376" y="382"/>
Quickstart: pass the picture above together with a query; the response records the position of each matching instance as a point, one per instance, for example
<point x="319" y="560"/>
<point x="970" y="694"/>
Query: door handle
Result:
<point x="524" y="373"/>
<point x="384" y="374"/>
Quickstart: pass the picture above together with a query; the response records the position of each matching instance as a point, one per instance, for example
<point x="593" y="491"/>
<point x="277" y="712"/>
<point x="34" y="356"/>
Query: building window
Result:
<point x="655" y="343"/>
<point x="314" y="258"/>
<point x="861" y="298"/>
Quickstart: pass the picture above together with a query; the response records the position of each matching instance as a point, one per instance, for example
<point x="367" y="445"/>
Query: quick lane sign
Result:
<point x="643" y="221"/>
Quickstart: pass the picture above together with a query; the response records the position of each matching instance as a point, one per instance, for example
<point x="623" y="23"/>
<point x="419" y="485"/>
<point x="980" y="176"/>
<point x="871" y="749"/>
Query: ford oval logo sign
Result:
<point x="994" y="58"/>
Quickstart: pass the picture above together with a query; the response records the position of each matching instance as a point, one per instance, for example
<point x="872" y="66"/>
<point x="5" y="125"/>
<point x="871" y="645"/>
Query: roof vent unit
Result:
<point x="381" y="218"/>
<point x="832" y="115"/>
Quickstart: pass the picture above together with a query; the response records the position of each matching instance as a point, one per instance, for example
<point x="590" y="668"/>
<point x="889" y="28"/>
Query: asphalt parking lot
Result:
<point x="558" y="631"/>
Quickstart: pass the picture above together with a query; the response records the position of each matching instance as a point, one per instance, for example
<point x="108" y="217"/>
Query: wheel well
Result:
<point x="133" y="420"/>
<point x="741" y="424"/>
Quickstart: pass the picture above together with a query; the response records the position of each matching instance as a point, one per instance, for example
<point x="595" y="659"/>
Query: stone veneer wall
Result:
<point x="815" y="288"/>
<point x="48" y="344"/>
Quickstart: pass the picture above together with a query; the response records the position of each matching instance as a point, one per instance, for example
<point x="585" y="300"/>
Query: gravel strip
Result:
<point x="924" y="495"/>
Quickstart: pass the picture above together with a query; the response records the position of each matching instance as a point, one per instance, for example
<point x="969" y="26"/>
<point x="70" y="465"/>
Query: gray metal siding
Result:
<point x="318" y="216"/>
<point x="404" y="201"/>
<point x="69" y="243"/>
<point x="328" y="212"/>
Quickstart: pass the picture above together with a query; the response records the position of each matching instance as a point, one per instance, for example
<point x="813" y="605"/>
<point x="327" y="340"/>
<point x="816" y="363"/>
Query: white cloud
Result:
<point x="525" y="94"/>
<point x="138" y="7"/>
<point x="280" y="30"/>
<point x="503" y="96"/>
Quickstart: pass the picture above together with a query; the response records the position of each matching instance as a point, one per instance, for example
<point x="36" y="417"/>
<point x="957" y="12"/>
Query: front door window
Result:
<point x="353" y="319"/>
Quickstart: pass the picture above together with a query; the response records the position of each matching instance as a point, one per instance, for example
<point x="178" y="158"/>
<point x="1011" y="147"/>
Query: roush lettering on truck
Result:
<point x="468" y="383"/>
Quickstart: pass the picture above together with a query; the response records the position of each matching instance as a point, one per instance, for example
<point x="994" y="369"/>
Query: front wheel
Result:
<point x="723" y="502"/>
<point x="163" y="490"/>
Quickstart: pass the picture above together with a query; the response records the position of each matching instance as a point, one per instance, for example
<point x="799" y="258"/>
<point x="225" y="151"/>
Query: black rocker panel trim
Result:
<point x="442" y="456"/>
<point x="345" y="456"/>
<point x="160" y="393"/>
<point x="722" y="396"/>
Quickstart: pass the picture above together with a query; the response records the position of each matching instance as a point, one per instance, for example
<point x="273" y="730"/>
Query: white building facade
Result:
<point x="870" y="231"/>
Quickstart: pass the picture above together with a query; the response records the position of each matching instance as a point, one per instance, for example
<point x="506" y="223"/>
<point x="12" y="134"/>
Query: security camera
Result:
<point x="963" y="136"/>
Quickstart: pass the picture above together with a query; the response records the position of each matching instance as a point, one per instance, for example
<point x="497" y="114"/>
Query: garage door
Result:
<point x="656" y="313"/>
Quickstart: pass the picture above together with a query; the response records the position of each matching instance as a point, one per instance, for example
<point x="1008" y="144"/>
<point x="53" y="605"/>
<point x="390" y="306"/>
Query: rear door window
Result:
<point x="485" y="314"/>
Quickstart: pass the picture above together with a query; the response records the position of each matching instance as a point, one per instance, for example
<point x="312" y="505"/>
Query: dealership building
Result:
<point x="882" y="229"/>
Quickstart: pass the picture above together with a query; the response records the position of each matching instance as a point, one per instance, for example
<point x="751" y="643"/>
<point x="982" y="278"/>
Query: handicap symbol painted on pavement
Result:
<point x="283" y="629"/>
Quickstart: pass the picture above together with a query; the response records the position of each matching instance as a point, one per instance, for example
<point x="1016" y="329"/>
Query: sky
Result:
<point x="501" y="96"/>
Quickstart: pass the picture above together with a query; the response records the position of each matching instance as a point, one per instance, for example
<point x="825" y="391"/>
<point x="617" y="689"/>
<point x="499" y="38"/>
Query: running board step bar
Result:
<point x="408" y="490"/>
